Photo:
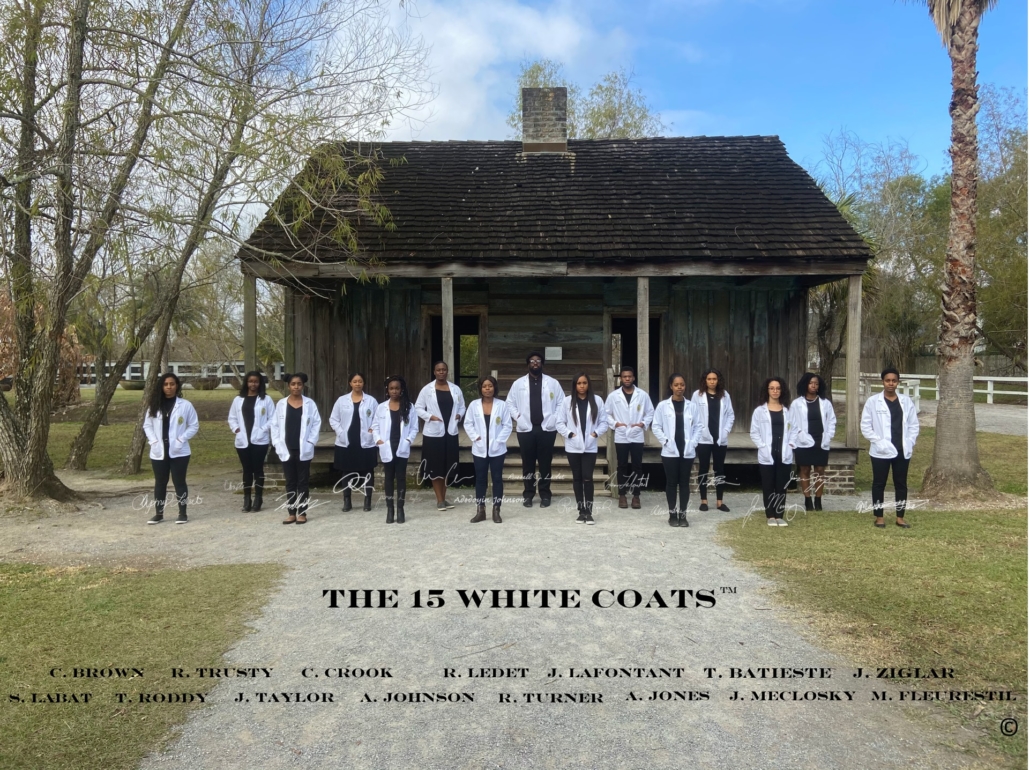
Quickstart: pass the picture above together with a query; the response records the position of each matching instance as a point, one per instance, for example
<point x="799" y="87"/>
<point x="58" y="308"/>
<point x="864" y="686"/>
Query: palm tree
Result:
<point x="955" y="469"/>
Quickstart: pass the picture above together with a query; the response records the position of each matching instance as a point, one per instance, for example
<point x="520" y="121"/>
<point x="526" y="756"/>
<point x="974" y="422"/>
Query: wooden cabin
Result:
<point x="671" y="254"/>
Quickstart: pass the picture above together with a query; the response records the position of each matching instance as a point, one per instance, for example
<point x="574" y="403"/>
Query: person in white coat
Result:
<point x="354" y="456"/>
<point x="441" y="404"/>
<point x="630" y="412"/>
<point x="488" y="426"/>
<point x="677" y="426"/>
<point x="581" y="421"/>
<point x="775" y="434"/>
<point x="816" y="421"/>
<point x="394" y="429"/>
<point x="716" y="414"/>
<point x="534" y="401"/>
<point x="250" y="418"/>
<point x="294" y="435"/>
<point x="170" y="423"/>
<point x="891" y="425"/>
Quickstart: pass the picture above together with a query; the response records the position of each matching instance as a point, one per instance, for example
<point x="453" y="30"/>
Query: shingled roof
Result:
<point x="677" y="199"/>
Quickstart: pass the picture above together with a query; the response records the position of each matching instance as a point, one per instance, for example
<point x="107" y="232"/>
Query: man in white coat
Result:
<point x="630" y="412"/>
<point x="533" y="401"/>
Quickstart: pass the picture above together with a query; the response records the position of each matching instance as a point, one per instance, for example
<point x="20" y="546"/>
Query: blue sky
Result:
<point x="800" y="69"/>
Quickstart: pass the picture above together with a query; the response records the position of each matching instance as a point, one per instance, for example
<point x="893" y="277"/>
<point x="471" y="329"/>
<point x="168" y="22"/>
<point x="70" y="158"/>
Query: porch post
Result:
<point x="249" y="321"/>
<point x="289" y="331"/>
<point x="854" y="355"/>
<point x="447" y="301"/>
<point x="644" y="334"/>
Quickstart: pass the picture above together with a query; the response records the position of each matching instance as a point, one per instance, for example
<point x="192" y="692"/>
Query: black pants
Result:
<point x="717" y="455"/>
<point x="582" y="464"/>
<point x="495" y="467"/>
<point x="775" y="479"/>
<point x="625" y="455"/>
<point x="176" y="466"/>
<point x="677" y="474"/>
<point x="252" y="458"/>
<point x="881" y="466"/>
<point x="536" y="447"/>
<point x="297" y="473"/>
<point x="396" y="471"/>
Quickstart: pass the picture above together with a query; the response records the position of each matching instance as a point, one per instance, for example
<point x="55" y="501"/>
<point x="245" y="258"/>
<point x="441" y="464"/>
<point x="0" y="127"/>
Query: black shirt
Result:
<point x="294" y="417"/>
<point x="896" y="425"/>
<point x="777" y="435"/>
<point x="815" y="419"/>
<point x="167" y="405"/>
<point x="582" y="405"/>
<point x="354" y="429"/>
<point x="248" y="415"/>
<point x="629" y="395"/>
<point x="714" y="413"/>
<point x="681" y="438"/>
<point x="445" y="401"/>
<point x="536" y="397"/>
<point x="395" y="430"/>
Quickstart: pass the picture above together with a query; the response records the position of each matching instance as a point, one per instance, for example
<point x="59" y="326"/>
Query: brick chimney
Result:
<point x="544" y="120"/>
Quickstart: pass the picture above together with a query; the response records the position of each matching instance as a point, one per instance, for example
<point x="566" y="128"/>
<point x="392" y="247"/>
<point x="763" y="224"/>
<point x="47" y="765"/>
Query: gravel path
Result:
<point x="990" y="418"/>
<point x="533" y="549"/>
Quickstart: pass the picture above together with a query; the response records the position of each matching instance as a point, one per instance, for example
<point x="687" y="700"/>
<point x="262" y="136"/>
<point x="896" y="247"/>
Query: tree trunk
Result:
<point x="955" y="470"/>
<point x="134" y="457"/>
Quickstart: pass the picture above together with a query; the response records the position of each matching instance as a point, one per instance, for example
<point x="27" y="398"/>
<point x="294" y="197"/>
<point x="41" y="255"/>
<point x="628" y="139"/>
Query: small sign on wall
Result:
<point x="552" y="354"/>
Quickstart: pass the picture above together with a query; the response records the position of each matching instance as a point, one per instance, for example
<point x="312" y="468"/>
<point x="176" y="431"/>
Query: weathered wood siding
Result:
<point x="747" y="335"/>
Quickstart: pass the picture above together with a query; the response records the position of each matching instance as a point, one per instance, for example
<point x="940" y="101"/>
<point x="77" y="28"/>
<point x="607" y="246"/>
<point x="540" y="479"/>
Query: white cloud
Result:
<point x="477" y="48"/>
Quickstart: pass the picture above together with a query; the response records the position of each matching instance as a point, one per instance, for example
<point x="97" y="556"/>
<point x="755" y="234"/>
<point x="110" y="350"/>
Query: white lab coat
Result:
<point x="639" y="409"/>
<point x="551" y="395"/>
<point x="500" y="428"/>
<point x="183" y="425"/>
<point x="343" y="413"/>
<point x="427" y="406"/>
<point x="310" y="424"/>
<point x="381" y="426"/>
<point x="726" y="418"/>
<point x="800" y="410"/>
<point x="664" y="428"/>
<point x="876" y="426"/>
<point x="761" y="435"/>
<point x="260" y="434"/>
<point x="583" y="442"/>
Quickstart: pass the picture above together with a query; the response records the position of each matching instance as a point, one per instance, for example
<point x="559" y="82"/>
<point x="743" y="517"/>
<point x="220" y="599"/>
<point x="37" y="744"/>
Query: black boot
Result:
<point x="582" y="513"/>
<point x="480" y="514"/>
<point x="258" y="491"/>
<point x="819" y="503"/>
<point x="159" y="513"/>
<point x="674" y="519"/>
<point x="809" y="506"/>
<point x="400" y="508"/>
<point x="683" y="519"/>
<point x="497" y="513"/>
<point x="346" y="500"/>
<point x="389" y="510"/>
<point x="181" y="518"/>
<point x="247" y="505"/>
<point x="368" y="499"/>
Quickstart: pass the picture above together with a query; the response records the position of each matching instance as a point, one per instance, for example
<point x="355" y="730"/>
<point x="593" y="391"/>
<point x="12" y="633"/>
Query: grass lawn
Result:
<point x="105" y="618"/>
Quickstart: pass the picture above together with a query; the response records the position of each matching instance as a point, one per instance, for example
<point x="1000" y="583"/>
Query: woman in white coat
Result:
<point x="581" y="421"/>
<point x="294" y="435"/>
<point x="677" y="426"/>
<point x="715" y="412"/>
<point x="170" y="423"/>
<point x="816" y="421"/>
<point x="393" y="430"/>
<point x="488" y="426"/>
<point x="775" y="434"/>
<point x="890" y="424"/>
<point x="441" y="405"/>
<point x="355" y="453"/>
<point x="250" y="418"/>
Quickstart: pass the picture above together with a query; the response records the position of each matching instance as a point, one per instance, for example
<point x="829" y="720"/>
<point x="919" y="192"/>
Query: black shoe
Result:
<point x="181" y="518"/>
<point x="496" y="513"/>
<point x="246" y="501"/>
<point x="683" y="519"/>
<point x="703" y="507"/>
<point x="724" y="508"/>
<point x="809" y="506"/>
<point x="389" y="510"/>
<point x="527" y="502"/>
<point x="589" y="519"/>
<point x="159" y="514"/>
<point x="346" y="501"/>
<point x="480" y="514"/>
<point x="368" y="501"/>
<point x="903" y="526"/>
<point x="257" y="500"/>
<point x="400" y="509"/>
<point x="673" y="519"/>
<point x="582" y="514"/>
<point x="545" y="502"/>
<point x="818" y="503"/>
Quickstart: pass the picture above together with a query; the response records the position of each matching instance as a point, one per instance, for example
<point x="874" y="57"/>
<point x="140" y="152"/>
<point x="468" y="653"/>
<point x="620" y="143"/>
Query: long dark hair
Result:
<point x="405" y="409"/>
<point x="590" y="399"/>
<point x="702" y="388"/>
<point x="806" y="378"/>
<point x="246" y="378"/>
<point x="763" y="394"/>
<point x="159" y="392"/>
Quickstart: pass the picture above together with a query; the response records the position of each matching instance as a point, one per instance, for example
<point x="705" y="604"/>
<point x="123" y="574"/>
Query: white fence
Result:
<point x="913" y="385"/>
<point x="185" y="369"/>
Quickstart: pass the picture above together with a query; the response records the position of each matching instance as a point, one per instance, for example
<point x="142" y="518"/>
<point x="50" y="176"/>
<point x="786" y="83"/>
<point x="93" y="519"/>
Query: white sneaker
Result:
<point x="771" y="522"/>
<point x="780" y="522"/>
